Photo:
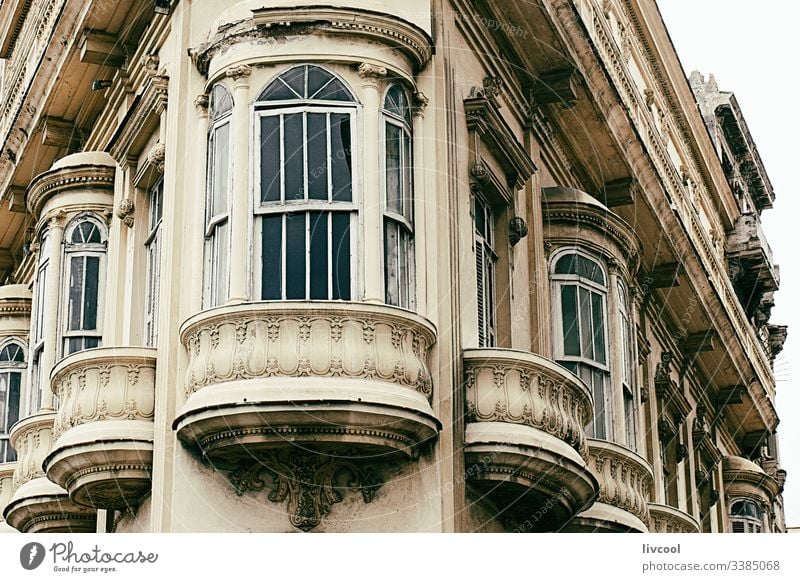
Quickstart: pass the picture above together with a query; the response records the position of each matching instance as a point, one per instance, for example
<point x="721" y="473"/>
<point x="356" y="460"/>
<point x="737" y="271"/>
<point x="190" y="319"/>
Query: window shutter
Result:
<point x="480" y="273"/>
<point x="738" y="526"/>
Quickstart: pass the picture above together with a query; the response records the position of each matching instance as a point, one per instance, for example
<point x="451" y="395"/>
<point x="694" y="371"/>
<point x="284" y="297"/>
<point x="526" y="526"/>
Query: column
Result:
<point x="423" y="214"/>
<point x="51" y="302"/>
<point x="198" y="216"/>
<point x="240" y="204"/>
<point x="373" y="213"/>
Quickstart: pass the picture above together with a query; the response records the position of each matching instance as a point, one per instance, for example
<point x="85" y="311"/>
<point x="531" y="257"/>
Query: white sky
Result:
<point x="752" y="49"/>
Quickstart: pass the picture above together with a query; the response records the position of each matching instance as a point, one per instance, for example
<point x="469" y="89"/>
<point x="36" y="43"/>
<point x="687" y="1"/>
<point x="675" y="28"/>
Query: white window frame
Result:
<point x="153" y="252"/>
<point x="749" y="524"/>
<point x="87" y="250"/>
<point x="306" y="206"/>
<point x="8" y="368"/>
<point x="406" y="294"/>
<point x="627" y="370"/>
<point x="557" y="282"/>
<point x="486" y="279"/>
<point x="37" y="327"/>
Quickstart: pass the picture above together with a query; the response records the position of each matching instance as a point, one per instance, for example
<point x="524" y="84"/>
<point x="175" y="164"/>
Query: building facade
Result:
<point x="438" y="265"/>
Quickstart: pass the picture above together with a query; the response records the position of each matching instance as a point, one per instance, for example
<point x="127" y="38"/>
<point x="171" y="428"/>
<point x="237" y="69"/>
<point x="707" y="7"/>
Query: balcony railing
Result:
<point x="37" y="504"/>
<point x="103" y="452"/>
<point x="625" y="479"/>
<point x="525" y="446"/>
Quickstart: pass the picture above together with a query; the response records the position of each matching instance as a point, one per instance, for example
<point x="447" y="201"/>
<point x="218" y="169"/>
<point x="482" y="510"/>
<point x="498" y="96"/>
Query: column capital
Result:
<point x="201" y="103"/>
<point x="371" y="73"/>
<point x="240" y="75"/>
<point x="419" y="102"/>
<point x="57" y="220"/>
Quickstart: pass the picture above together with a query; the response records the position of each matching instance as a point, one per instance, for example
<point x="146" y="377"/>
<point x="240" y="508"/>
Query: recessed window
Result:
<point x="580" y="293"/>
<point x="40" y="309"/>
<point x="12" y="368"/>
<point x="218" y="199"/>
<point x="626" y="347"/>
<point x="485" y="268"/>
<point x="305" y="211"/>
<point x="398" y="224"/>
<point x="746" y="517"/>
<point x="153" y="251"/>
<point x="85" y="253"/>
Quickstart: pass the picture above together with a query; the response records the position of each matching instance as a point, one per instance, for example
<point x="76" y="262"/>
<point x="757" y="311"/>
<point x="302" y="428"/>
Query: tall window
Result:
<point x="305" y="211"/>
<point x="485" y="266"/>
<point x="39" y="315"/>
<point x="580" y="298"/>
<point x="85" y="248"/>
<point x="746" y="517"/>
<point x="217" y="251"/>
<point x="398" y="223"/>
<point x="153" y="248"/>
<point x="626" y="346"/>
<point x="12" y="366"/>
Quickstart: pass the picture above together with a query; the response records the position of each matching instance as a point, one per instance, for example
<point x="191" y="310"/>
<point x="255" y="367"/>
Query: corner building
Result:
<point x="437" y="265"/>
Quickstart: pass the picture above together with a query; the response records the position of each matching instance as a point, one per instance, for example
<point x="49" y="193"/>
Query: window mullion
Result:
<point x="308" y="254"/>
<point x="283" y="159"/>
<point x="329" y="158"/>
<point x="329" y="225"/>
<point x="283" y="257"/>
<point x="305" y="152"/>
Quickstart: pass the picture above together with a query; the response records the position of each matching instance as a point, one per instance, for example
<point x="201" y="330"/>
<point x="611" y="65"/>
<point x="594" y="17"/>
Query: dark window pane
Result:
<point x="317" y="156"/>
<point x="319" y="254"/>
<point x="91" y="294"/>
<point x="598" y="390"/>
<point x="270" y="159"/>
<point x="91" y="342"/>
<point x="408" y="177"/>
<point x="598" y="326"/>
<point x="296" y="256"/>
<point x="480" y="218"/>
<point x="317" y="79"/>
<point x="293" y="165"/>
<point x="569" y="319"/>
<point x="334" y="91"/>
<point x="271" y="227"/>
<point x="585" y="314"/>
<point x="220" y="170"/>
<point x="220" y="270"/>
<point x="341" y="255"/>
<point x="390" y="261"/>
<point x="341" y="170"/>
<point x="394" y="200"/>
<point x="75" y="292"/>
<point x="74" y="345"/>
<point x="290" y="85"/>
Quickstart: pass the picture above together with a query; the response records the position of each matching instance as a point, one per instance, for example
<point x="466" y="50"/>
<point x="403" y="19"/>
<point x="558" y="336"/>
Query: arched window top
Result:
<point x="86" y="231"/>
<point x="745" y="508"/>
<point x="396" y="103"/>
<point x="221" y="102"/>
<point x="12" y="353"/>
<point x="306" y="83"/>
<point x="583" y="267"/>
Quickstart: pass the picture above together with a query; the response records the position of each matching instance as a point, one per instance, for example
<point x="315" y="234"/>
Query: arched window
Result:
<point x="218" y="192"/>
<point x="85" y="249"/>
<point x="398" y="224"/>
<point x="579" y="299"/>
<point x="626" y="345"/>
<point x="746" y="517"/>
<point x="305" y="209"/>
<point x="12" y="367"/>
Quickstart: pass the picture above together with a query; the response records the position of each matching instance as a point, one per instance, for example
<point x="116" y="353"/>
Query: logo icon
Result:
<point x="31" y="555"/>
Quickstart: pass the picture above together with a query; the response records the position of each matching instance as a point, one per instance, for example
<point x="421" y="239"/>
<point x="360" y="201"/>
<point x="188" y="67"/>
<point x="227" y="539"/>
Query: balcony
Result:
<point x="666" y="519"/>
<point x="37" y="504"/>
<point x="103" y="452"/>
<point x="752" y="265"/>
<point x="316" y="376"/>
<point x="525" y="449"/>
<point x="625" y="479"/>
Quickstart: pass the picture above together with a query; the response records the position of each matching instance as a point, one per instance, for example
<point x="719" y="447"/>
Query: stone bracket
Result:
<point x="311" y="482"/>
<point x="555" y="87"/>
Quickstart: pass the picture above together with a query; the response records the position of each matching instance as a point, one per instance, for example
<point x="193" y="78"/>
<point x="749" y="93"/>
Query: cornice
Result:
<point x="142" y="118"/>
<point x="385" y="29"/>
<point x="15" y="307"/>
<point x="83" y="177"/>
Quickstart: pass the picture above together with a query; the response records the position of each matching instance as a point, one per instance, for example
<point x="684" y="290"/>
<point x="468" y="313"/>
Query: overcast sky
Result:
<point x="752" y="50"/>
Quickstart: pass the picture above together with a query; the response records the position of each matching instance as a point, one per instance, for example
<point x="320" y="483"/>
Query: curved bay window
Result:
<point x="39" y="316"/>
<point x="306" y="208"/>
<point x="579" y="296"/>
<point x="746" y="517"/>
<point x="218" y="192"/>
<point x="398" y="223"/>
<point x="12" y="367"/>
<point x="626" y="347"/>
<point x="85" y="254"/>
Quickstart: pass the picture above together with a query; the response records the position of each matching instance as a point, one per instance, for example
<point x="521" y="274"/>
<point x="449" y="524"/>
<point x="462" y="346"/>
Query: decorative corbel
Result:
<point x="419" y="102"/>
<point x="124" y="211"/>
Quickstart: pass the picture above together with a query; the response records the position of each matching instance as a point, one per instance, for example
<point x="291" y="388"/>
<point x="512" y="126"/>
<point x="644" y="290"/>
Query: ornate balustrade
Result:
<point x="37" y="504"/>
<point x="103" y="452"/>
<point x="525" y="446"/>
<point x="625" y="479"/>
<point x="666" y="519"/>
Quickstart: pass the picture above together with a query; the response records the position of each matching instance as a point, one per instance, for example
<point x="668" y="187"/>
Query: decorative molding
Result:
<point x="52" y="182"/>
<point x="125" y="210"/>
<point x="142" y="118"/>
<point x="157" y="155"/>
<point x="310" y="483"/>
<point x="371" y="72"/>
<point x="666" y="519"/>
<point x="201" y="102"/>
<point x="526" y="389"/>
<point x="419" y="103"/>
<point x="32" y="438"/>
<point x="372" y="27"/>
